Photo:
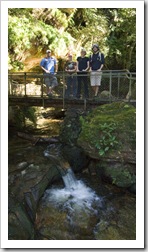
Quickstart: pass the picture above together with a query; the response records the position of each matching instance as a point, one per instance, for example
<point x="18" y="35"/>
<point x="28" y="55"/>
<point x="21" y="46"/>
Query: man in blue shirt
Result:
<point x="49" y="67"/>
<point x="96" y="65"/>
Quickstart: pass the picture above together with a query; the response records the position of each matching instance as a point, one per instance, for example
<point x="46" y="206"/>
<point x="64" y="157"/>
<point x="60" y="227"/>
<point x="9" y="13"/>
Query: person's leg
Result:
<point x="47" y="83"/>
<point x="85" y="83"/>
<point x="79" y="79"/>
<point x="96" y="90"/>
<point x="68" y="82"/>
<point x="53" y="84"/>
<point x="93" y="81"/>
<point x="47" y="89"/>
<point x="98" y="82"/>
<point x="74" y="85"/>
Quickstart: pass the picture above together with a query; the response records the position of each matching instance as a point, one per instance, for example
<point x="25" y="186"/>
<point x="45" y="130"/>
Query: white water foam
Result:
<point x="75" y="196"/>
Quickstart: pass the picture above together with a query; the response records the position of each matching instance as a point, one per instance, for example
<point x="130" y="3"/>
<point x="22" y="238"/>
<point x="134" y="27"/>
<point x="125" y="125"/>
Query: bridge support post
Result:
<point x="85" y="103"/>
<point x="130" y="87"/>
<point x="110" y="85"/>
<point x="63" y="91"/>
<point x="118" y="84"/>
<point x="25" y="82"/>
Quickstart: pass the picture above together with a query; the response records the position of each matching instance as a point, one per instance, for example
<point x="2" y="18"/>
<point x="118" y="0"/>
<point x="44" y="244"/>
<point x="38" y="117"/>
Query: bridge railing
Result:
<point x="115" y="84"/>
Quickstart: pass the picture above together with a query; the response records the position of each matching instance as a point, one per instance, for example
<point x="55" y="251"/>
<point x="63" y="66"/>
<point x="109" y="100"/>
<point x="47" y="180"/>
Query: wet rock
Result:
<point x="132" y="188"/>
<point x="52" y="224"/>
<point x="105" y="134"/>
<point x="108" y="135"/>
<point x="20" y="226"/>
<point x="118" y="173"/>
<point x="70" y="128"/>
<point x="76" y="157"/>
<point x="28" y="183"/>
<point x="105" y="94"/>
<point x="22" y="165"/>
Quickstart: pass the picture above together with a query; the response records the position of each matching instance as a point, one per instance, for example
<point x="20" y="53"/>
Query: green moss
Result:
<point x="109" y="127"/>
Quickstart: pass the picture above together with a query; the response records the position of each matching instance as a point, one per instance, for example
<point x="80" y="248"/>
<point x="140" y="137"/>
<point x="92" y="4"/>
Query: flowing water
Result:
<point x="75" y="197"/>
<point x="79" y="206"/>
<point x="76" y="211"/>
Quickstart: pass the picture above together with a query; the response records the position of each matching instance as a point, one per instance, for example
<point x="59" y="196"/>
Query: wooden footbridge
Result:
<point x="28" y="89"/>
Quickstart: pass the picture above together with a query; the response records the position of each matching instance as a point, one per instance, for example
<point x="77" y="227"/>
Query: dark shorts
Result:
<point x="50" y="80"/>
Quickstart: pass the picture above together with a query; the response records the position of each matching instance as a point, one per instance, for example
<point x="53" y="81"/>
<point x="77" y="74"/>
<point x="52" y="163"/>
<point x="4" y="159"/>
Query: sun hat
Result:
<point x="48" y="51"/>
<point x="83" y="50"/>
<point x="95" y="45"/>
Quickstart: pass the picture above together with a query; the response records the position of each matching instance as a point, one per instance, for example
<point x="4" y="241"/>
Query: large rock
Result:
<point x="27" y="184"/>
<point x="106" y="134"/>
<point x="70" y="128"/>
<point x="76" y="157"/>
<point x="20" y="226"/>
<point x="69" y="133"/>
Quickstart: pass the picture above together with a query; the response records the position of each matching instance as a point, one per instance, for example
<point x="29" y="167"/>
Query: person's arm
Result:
<point x="77" y="65"/>
<point x="42" y="66"/>
<point x="87" y="66"/>
<point x="102" y="61"/>
<point x="56" y="66"/>
<point x="66" y="70"/>
<point x="73" y="70"/>
<point x="45" y="70"/>
<point x="90" y="68"/>
<point x="100" y="67"/>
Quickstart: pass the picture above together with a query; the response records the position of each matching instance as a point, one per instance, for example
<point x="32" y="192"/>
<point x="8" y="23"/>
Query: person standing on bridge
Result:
<point x="50" y="68"/>
<point x="82" y="68"/>
<point x="71" y="78"/>
<point x="96" y="65"/>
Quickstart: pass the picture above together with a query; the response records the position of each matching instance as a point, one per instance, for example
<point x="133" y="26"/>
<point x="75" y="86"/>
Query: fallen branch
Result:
<point x="36" y="139"/>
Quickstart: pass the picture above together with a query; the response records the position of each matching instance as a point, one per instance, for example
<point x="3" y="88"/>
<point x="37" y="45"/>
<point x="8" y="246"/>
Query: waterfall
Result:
<point x="75" y="196"/>
<point x="69" y="180"/>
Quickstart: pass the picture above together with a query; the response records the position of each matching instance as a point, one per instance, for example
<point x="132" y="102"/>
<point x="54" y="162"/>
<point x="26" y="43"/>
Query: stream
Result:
<point x="78" y="206"/>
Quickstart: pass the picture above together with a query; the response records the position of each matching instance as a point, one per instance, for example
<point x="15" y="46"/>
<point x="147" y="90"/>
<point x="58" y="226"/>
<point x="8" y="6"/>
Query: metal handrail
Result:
<point x="105" y="73"/>
<point x="110" y="74"/>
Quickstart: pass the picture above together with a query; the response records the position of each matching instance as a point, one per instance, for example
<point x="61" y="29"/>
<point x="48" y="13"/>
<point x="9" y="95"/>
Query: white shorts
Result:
<point x="95" y="78"/>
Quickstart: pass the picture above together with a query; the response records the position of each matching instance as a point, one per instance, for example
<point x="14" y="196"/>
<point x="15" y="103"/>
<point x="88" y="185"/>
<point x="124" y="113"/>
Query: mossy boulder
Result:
<point x="108" y="134"/>
<point x="69" y="133"/>
<point x="70" y="128"/>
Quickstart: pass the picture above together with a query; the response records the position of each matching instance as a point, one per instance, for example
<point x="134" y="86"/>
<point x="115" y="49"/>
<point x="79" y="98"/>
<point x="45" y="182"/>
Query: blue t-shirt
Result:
<point x="48" y="64"/>
<point x="96" y="61"/>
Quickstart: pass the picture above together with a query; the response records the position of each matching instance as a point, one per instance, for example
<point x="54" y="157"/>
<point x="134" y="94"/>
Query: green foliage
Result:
<point x="32" y="34"/>
<point x="107" y="140"/>
<point x="33" y="30"/>
<point x="122" y="39"/>
<point x="104" y="138"/>
<point x="118" y="177"/>
<point x="109" y="127"/>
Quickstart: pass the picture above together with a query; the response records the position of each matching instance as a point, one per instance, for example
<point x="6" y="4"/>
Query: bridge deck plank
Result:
<point x="58" y="102"/>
